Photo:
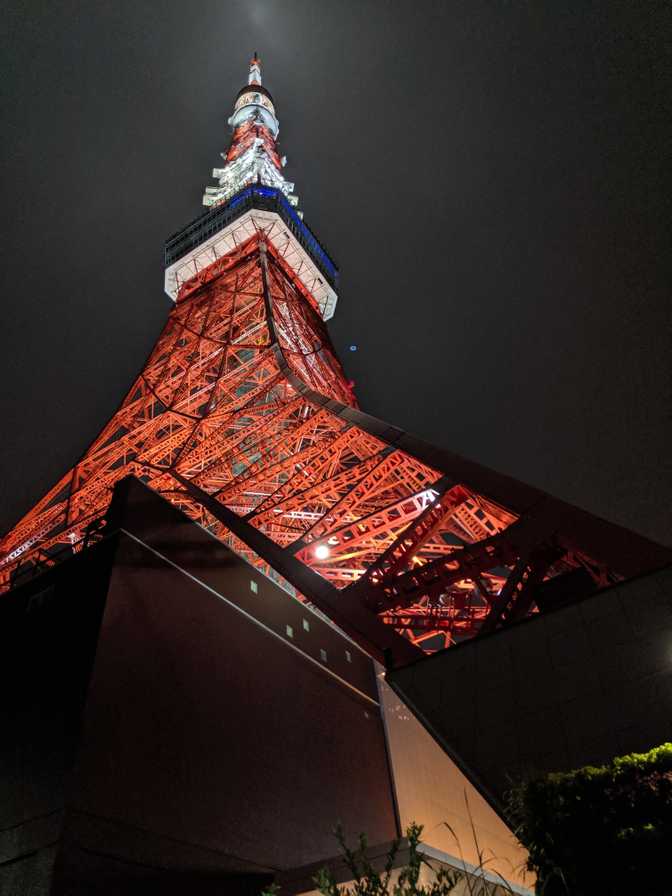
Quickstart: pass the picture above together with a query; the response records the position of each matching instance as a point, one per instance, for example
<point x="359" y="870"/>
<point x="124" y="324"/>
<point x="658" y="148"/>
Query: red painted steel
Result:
<point x="243" y="402"/>
<point x="214" y="405"/>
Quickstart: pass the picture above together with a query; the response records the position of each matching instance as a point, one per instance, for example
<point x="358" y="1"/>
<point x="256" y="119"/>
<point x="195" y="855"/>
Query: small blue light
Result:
<point x="353" y="348"/>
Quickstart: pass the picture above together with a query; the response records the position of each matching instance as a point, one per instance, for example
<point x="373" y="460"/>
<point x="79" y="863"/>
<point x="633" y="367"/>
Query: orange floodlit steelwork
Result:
<point x="243" y="417"/>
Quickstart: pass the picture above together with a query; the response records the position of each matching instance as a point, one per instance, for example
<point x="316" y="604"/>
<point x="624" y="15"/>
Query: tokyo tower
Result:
<point x="243" y="418"/>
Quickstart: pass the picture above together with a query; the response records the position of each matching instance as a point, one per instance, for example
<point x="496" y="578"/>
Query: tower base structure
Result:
<point x="175" y="722"/>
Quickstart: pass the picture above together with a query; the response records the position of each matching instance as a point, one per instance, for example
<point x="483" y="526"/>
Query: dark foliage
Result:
<point x="605" y="830"/>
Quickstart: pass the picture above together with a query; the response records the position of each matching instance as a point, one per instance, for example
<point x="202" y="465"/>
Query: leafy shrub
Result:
<point x="600" y="829"/>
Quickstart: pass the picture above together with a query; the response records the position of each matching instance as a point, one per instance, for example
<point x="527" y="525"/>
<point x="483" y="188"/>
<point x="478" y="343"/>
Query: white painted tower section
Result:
<point x="256" y="164"/>
<point x="231" y="236"/>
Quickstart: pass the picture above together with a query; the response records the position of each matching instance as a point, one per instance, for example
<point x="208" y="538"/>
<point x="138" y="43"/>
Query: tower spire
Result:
<point x="252" y="157"/>
<point x="255" y="70"/>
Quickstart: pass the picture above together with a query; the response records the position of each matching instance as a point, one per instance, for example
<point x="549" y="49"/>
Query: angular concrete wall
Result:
<point x="577" y="685"/>
<point x="431" y="790"/>
<point x="174" y="722"/>
<point x="207" y="729"/>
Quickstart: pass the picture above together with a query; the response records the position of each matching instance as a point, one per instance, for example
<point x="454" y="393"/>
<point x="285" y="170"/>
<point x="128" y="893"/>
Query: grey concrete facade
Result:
<point x="174" y="722"/>
<point x="577" y="685"/>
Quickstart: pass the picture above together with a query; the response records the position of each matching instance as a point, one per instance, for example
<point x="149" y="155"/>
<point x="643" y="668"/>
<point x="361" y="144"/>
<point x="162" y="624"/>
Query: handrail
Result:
<point x="254" y="196"/>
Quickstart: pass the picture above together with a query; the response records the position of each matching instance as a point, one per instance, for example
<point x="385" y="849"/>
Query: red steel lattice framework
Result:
<point x="243" y="418"/>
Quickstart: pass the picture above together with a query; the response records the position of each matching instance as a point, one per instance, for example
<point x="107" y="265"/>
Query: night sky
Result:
<point x="490" y="177"/>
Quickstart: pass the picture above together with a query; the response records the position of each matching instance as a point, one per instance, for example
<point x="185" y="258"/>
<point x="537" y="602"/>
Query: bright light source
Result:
<point x="322" y="552"/>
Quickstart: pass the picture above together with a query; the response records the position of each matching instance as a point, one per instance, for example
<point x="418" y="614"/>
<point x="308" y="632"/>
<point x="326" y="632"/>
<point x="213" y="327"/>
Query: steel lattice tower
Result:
<point x="243" y="418"/>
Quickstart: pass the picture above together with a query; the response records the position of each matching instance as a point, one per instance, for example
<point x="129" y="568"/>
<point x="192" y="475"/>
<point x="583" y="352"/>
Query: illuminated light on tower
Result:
<point x="243" y="418"/>
<point x="252" y="157"/>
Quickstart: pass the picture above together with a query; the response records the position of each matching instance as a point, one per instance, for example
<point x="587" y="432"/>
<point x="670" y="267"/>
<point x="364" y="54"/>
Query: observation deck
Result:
<point x="219" y="230"/>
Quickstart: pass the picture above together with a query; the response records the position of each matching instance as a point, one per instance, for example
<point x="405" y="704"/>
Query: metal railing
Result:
<point x="255" y="196"/>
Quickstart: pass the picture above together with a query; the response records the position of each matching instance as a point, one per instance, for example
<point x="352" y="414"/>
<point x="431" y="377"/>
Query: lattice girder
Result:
<point x="242" y="413"/>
